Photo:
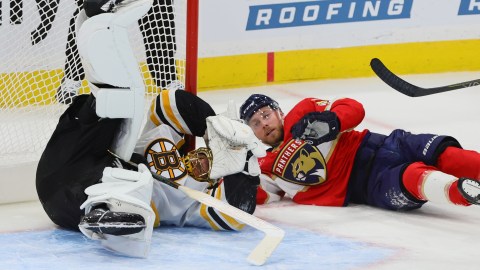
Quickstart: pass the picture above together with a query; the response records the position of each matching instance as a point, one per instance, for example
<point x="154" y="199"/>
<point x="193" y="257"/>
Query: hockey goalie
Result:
<point x="85" y="178"/>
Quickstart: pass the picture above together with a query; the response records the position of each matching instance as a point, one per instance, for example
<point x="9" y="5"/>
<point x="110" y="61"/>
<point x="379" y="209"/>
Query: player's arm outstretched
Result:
<point x="322" y="121"/>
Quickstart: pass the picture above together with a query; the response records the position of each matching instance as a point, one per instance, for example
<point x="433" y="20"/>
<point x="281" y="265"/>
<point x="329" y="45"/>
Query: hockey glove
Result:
<point x="234" y="147"/>
<point x="317" y="127"/>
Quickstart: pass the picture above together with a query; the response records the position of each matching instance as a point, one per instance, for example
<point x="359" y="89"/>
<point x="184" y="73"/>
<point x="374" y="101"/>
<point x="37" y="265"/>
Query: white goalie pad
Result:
<point x="108" y="59"/>
<point x="105" y="48"/>
<point x="124" y="191"/>
<point x="230" y="141"/>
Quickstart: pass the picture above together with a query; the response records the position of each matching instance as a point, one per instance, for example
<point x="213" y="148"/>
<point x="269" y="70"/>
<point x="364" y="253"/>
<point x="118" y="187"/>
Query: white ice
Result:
<point x="433" y="237"/>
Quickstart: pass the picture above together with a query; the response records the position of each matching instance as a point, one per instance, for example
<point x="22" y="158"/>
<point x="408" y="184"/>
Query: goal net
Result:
<point x="40" y="69"/>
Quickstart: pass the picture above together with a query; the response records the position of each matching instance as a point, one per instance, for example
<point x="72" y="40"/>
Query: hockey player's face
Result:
<point x="267" y="124"/>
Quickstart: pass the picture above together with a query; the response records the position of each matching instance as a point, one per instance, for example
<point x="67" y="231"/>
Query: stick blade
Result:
<point x="273" y="234"/>
<point x="265" y="248"/>
<point x="393" y="80"/>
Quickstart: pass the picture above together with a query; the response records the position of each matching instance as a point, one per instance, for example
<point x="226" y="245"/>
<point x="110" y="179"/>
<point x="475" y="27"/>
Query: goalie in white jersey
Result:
<point x="82" y="186"/>
<point x="172" y="114"/>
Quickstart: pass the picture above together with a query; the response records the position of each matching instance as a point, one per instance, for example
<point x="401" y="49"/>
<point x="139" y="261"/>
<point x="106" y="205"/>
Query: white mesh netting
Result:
<point x="40" y="69"/>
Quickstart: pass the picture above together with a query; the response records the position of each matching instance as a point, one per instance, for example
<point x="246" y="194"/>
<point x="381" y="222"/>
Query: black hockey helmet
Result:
<point x="255" y="102"/>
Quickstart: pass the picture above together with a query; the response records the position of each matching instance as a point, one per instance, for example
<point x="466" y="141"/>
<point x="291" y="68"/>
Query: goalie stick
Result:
<point x="273" y="234"/>
<point x="409" y="89"/>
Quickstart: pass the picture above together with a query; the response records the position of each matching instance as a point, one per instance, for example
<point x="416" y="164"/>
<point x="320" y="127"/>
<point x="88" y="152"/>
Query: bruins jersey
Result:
<point x="173" y="114"/>
<point x="182" y="111"/>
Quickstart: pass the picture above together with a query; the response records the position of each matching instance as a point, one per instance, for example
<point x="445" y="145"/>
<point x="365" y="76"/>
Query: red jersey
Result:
<point x="313" y="174"/>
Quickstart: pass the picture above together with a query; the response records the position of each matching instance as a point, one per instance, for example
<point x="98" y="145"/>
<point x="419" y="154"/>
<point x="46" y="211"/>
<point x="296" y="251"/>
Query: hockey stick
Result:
<point x="409" y="89"/>
<point x="273" y="234"/>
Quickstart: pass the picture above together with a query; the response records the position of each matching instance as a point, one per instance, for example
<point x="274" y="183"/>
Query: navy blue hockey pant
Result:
<point x="380" y="161"/>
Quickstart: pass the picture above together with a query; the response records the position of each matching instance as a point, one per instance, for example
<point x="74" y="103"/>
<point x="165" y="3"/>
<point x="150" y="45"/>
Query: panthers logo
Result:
<point x="301" y="163"/>
<point x="163" y="159"/>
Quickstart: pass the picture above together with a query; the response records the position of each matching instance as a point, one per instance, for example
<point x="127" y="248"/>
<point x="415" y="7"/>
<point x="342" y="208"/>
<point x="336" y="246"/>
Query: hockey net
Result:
<point x="40" y="67"/>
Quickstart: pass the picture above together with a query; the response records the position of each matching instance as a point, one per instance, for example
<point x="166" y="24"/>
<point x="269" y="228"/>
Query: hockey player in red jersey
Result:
<point x="317" y="158"/>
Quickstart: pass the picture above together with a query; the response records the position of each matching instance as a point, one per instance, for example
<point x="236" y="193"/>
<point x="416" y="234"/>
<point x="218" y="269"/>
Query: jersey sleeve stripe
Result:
<point x="169" y="111"/>
<point x="156" y="223"/>
<point x="178" y="117"/>
<point x="229" y="222"/>
<point x="153" y="115"/>
<point x="203" y="213"/>
<point x="233" y="222"/>
<point x="218" y="220"/>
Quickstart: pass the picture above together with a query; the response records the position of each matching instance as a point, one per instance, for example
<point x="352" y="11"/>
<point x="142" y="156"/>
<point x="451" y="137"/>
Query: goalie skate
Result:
<point x="101" y="221"/>
<point x="470" y="190"/>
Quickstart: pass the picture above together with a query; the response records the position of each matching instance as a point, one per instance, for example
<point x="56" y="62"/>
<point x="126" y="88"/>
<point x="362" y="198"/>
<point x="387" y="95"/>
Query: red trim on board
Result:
<point x="270" y="67"/>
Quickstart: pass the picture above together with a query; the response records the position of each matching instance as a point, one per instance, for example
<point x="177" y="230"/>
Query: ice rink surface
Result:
<point x="354" y="237"/>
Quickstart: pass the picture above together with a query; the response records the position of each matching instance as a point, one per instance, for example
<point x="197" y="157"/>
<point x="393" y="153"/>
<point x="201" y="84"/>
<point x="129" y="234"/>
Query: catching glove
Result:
<point x="317" y="127"/>
<point x="234" y="147"/>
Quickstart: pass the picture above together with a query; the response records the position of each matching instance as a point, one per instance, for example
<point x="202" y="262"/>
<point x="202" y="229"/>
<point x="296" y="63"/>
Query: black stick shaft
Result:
<point x="409" y="89"/>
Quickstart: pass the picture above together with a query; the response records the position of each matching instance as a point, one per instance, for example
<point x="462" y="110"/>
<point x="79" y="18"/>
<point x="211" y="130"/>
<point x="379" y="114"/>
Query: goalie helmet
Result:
<point x="199" y="164"/>
<point x="254" y="103"/>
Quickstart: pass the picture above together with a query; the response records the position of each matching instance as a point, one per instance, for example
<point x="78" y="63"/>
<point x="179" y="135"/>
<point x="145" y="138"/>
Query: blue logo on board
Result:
<point x="469" y="7"/>
<point x="325" y="12"/>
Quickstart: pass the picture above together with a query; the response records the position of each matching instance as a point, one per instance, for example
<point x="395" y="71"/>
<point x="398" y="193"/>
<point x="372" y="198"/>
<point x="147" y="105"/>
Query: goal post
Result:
<point x="191" y="57"/>
<point x="40" y="71"/>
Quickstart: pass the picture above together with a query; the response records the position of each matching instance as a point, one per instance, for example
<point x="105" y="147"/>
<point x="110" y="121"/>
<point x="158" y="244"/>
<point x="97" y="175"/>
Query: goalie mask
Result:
<point x="199" y="164"/>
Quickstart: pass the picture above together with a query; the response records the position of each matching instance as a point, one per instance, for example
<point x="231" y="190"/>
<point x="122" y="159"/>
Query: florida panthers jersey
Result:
<point x="313" y="174"/>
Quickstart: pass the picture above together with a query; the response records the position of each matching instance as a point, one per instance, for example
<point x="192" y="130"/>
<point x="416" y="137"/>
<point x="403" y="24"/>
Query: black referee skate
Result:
<point x="470" y="190"/>
<point x="114" y="223"/>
